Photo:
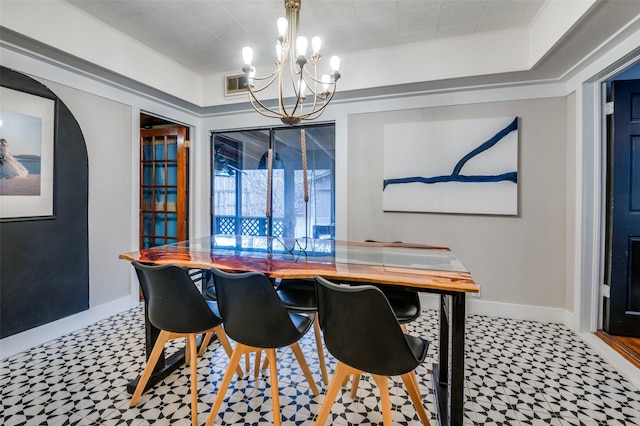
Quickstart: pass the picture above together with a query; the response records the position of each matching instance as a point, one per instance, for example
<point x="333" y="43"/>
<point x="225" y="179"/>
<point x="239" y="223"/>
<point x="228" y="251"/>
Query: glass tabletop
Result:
<point x="324" y="251"/>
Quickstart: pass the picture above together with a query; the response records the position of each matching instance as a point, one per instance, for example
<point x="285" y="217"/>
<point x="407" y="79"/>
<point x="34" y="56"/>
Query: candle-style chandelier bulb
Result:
<point x="282" y="28"/>
<point x="247" y="55"/>
<point x="301" y="46"/>
<point x="315" y="45"/>
<point x="326" y="81"/>
<point x="335" y="64"/>
<point x="302" y="89"/>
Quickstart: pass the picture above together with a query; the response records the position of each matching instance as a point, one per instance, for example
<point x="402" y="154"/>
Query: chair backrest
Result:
<point x="361" y="330"/>
<point x="173" y="301"/>
<point x="253" y="313"/>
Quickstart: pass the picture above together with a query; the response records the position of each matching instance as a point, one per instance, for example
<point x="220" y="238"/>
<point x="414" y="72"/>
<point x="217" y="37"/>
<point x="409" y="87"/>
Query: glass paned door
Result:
<point x="163" y="186"/>
<point x="240" y="196"/>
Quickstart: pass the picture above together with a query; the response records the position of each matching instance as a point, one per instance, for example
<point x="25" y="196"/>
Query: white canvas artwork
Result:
<point x="455" y="166"/>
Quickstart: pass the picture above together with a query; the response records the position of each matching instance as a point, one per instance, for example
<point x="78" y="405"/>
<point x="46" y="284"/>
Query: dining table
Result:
<point x="419" y="267"/>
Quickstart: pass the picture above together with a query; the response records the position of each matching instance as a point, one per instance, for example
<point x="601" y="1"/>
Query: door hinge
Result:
<point x="187" y="144"/>
<point x="606" y="291"/>
<point x="608" y="108"/>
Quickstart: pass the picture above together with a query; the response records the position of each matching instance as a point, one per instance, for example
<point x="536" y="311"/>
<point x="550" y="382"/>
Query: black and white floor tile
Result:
<point x="517" y="373"/>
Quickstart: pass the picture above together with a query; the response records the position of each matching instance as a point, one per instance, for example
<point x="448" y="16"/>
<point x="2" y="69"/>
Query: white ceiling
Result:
<point x="207" y="36"/>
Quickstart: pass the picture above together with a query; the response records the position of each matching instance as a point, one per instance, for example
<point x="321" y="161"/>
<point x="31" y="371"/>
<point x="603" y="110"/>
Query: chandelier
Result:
<point x="293" y="64"/>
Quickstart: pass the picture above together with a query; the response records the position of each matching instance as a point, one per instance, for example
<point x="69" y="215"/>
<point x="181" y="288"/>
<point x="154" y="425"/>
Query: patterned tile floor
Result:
<point x="517" y="373"/>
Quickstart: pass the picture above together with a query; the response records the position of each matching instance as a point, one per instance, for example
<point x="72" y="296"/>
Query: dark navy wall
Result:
<point x="44" y="264"/>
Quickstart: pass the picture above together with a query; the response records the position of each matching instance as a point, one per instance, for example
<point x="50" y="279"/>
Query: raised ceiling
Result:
<point x="180" y="50"/>
<point x="208" y="35"/>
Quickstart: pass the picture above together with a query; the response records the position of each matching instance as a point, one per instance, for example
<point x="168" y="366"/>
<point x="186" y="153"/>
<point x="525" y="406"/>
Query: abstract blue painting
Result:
<point x="454" y="166"/>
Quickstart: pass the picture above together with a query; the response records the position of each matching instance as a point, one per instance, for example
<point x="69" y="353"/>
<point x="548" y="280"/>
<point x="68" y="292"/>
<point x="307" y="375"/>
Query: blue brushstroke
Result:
<point x="455" y="176"/>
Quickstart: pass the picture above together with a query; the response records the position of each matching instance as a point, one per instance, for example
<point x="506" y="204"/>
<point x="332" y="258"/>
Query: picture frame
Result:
<point x="28" y="134"/>
<point x="466" y="166"/>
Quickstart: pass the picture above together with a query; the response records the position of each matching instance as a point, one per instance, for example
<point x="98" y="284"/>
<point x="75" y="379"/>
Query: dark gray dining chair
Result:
<point x="361" y="331"/>
<point x="299" y="296"/>
<point x="256" y="319"/>
<point x="176" y="307"/>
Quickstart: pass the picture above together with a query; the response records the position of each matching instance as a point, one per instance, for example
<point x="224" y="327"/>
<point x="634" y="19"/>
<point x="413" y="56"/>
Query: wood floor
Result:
<point x="628" y="347"/>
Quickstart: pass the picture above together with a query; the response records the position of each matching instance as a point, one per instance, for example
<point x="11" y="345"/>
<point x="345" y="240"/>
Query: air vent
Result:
<point x="235" y="84"/>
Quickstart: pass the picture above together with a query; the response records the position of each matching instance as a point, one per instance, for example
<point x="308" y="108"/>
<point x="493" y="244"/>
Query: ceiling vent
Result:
<point x="235" y="84"/>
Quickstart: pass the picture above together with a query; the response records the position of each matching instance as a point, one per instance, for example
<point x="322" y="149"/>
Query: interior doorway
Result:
<point x="164" y="183"/>
<point x="621" y="298"/>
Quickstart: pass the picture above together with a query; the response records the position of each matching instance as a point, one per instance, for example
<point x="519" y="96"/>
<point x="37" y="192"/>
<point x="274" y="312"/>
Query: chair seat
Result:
<point x="403" y="305"/>
<point x="214" y="308"/>
<point x="210" y="293"/>
<point x="418" y="346"/>
<point x="298" y="297"/>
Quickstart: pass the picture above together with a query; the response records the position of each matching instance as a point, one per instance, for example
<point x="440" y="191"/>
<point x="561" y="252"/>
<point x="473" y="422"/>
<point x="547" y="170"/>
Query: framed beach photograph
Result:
<point x="27" y="139"/>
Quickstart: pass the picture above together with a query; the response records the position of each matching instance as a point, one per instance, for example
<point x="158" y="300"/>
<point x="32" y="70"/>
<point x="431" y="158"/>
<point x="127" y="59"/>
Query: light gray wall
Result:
<point x="106" y="126"/>
<point x="515" y="259"/>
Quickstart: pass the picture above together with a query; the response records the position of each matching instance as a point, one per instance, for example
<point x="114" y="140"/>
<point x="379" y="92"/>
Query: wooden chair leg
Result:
<point x="275" y="395"/>
<point x="187" y="351"/>
<point x="205" y="342"/>
<point x="224" y="341"/>
<point x="411" y="384"/>
<point x="318" y="335"/>
<point x="151" y="363"/>
<point x="265" y="364"/>
<point x="256" y="367"/>
<point x="193" y="352"/>
<point x="345" y="381"/>
<point x="341" y="374"/>
<point x="354" y="385"/>
<point x="247" y="362"/>
<point x="305" y="368"/>
<point x="383" y="386"/>
<point x="239" y="350"/>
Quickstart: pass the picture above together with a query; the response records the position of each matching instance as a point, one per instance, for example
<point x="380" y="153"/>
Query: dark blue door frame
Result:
<point x="622" y="308"/>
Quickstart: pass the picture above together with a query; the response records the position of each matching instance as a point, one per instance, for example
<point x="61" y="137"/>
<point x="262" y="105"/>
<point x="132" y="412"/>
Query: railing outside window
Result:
<point x="239" y="182"/>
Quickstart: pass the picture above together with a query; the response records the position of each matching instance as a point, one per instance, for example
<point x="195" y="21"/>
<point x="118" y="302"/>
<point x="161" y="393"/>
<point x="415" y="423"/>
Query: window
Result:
<point x="240" y="199"/>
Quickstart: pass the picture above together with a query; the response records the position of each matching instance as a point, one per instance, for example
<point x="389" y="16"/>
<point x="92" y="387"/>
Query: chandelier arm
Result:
<point x="297" y="95"/>
<point x="311" y="87"/>
<point x="263" y="109"/>
<point x="271" y="77"/>
<point x="315" y="114"/>
<point x="313" y="76"/>
<point x="281" y="105"/>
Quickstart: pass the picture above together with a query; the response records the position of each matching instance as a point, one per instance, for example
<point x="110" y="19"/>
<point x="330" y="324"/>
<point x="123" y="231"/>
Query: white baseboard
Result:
<point x="36" y="336"/>
<point x="502" y="310"/>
